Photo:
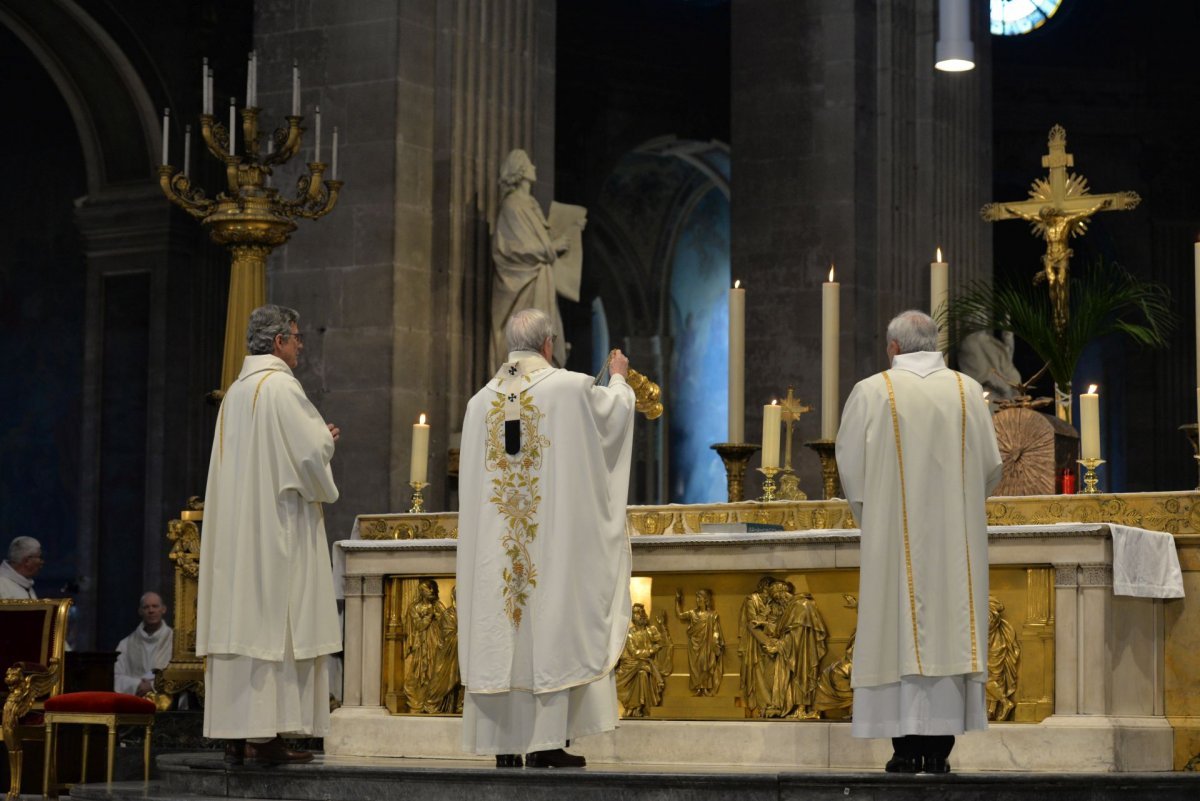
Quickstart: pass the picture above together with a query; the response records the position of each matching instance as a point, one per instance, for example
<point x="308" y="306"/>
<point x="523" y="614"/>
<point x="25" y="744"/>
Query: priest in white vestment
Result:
<point x="146" y="649"/>
<point x="266" y="615"/>
<point x="543" y="558"/>
<point x="17" y="571"/>
<point x="917" y="455"/>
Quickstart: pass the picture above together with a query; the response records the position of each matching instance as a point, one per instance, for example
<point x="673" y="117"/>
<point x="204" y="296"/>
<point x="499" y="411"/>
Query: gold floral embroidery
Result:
<point x="516" y="495"/>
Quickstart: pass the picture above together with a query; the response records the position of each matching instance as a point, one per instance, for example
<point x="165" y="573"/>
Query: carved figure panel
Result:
<point x="705" y="643"/>
<point x="640" y="675"/>
<point x="421" y="648"/>
<point x="783" y="640"/>
<point x="1004" y="653"/>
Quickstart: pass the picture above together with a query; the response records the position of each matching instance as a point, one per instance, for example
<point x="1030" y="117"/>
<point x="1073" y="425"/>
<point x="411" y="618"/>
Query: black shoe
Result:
<point x="276" y="752"/>
<point x="937" y="765"/>
<point x="235" y="752"/>
<point x="899" y="764"/>
<point x="556" y="758"/>
<point x="508" y="760"/>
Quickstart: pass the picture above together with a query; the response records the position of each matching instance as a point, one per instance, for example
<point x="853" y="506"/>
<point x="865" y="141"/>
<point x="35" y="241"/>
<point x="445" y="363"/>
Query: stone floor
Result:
<point x="202" y="777"/>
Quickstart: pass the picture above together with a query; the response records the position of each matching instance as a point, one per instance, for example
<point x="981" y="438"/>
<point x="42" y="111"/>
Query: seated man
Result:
<point x="147" y="649"/>
<point x="17" y="571"/>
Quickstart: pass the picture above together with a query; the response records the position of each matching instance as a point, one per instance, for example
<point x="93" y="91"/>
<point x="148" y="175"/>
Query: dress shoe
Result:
<point x="900" y="764"/>
<point x="555" y="758"/>
<point x="276" y="752"/>
<point x="235" y="752"/>
<point x="937" y="765"/>
<point x="508" y="760"/>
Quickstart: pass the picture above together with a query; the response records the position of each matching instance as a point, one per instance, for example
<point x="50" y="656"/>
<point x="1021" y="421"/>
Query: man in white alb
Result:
<point x="543" y="559"/>
<point x="266" y="615"/>
<point x="17" y="571"/>
<point x="147" y="649"/>
<point x="917" y="455"/>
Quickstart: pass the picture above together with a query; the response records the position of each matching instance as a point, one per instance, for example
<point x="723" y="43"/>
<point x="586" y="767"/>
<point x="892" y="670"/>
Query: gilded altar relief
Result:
<point x="420" y="647"/>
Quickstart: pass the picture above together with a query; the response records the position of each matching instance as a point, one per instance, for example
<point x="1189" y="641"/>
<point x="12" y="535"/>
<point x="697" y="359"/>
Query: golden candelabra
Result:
<point x="769" y="474"/>
<point x="418" y="501"/>
<point x="1089" y="475"/>
<point x="250" y="217"/>
<point x="735" y="455"/>
<point x="830" y="480"/>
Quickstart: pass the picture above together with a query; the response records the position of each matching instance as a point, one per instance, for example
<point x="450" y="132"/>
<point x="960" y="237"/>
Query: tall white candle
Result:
<point x="335" y="148"/>
<point x="418" y="469"/>
<point x="295" y="88"/>
<point x="187" y="149"/>
<point x="939" y="293"/>
<point x="166" y="132"/>
<point x="317" y="153"/>
<point x="232" y="125"/>
<point x="254" y="79"/>
<point x="211" y="100"/>
<point x="772" y="417"/>
<point x="204" y="87"/>
<point x="737" y="363"/>
<point x="1089" y="424"/>
<point x="250" y="79"/>
<point x="830" y="314"/>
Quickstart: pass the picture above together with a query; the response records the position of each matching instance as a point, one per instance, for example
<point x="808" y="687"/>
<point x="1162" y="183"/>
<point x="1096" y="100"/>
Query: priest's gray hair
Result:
<point x="528" y="329"/>
<point x="913" y="331"/>
<point x="514" y="169"/>
<point x="21" y="548"/>
<point x="266" y="323"/>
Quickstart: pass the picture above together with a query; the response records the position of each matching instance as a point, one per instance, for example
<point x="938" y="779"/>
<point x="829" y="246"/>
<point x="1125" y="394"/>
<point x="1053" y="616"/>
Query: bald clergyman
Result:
<point x="917" y="455"/>
<point x="543" y="559"/>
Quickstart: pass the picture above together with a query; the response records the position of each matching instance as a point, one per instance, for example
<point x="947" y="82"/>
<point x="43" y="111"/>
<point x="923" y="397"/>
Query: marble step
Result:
<point x="200" y="777"/>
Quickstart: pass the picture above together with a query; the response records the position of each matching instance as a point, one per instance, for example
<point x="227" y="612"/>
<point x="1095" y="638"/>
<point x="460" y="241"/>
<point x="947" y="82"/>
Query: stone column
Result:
<point x="1095" y="629"/>
<point x="352" y="646"/>
<point x="848" y="148"/>
<point x="372" y="639"/>
<point x="1066" y="640"/>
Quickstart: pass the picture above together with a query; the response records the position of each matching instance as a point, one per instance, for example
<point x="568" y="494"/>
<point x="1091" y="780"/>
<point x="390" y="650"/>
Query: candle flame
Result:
<point x="422" y="420"/>
<point x="1092" y="389"/>
<point x="986" y="394"/>
<point x="774" y="402"/>
<point x="737" y="283"/>
<point x="831" y="273"/>
<point x="939" y="254"/>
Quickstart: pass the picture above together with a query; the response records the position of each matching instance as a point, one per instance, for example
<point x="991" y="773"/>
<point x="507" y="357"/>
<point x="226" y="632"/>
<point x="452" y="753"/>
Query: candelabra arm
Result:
<point x="215" y="137"/>
<point x="178" y="189"/>
<point x="287" y="141"/>
<point x="250" y="131"/>
<point x="314" y="197"/>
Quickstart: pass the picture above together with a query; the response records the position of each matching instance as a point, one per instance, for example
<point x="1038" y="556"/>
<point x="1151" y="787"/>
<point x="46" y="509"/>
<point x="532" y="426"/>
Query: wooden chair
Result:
<point x="93" y="708"/>
<point x="33" y="635"/>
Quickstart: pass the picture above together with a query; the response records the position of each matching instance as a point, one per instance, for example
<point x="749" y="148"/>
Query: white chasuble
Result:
<point x="141" y="653"/>
<point x="917" y="455"/>
<point x="543" y="558"/>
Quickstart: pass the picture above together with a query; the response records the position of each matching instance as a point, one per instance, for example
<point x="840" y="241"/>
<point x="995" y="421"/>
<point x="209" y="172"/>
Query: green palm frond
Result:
<point x="1105" y="298"/>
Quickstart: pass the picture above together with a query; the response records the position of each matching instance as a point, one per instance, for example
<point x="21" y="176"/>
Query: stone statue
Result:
<point x="1004" y="652"/>
<point x="706" y="643"/>
<point x="430" y="666"/>
<point x="989" y="360"/>
<point x="640" y="680"/>
<point x="755" y="675"/>
<point x="526" y="252"/>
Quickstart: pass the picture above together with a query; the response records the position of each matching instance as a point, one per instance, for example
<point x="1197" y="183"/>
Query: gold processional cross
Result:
<point x="1059" y="207"/>
<point x="790" y="411"/>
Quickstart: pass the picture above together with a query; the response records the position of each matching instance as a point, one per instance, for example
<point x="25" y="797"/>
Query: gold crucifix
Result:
<point x="1059" y="207"/>
<point x="790" y="411"/>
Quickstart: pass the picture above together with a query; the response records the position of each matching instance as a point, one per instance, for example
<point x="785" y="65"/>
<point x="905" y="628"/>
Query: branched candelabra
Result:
<point x="250" y="217"/>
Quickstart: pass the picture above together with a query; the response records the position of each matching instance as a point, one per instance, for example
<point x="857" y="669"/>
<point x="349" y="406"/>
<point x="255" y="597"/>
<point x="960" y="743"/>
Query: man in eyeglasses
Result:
<point x="17" y="571"/>
<point x="266" y="615"/>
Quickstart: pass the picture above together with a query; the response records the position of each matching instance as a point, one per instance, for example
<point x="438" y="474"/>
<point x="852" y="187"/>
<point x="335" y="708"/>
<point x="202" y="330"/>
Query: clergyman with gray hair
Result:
<point x="17" y="571"/>
<point x="917" y="455"/>
<point x="266" y="617"/>
<point x="543" y="561"/>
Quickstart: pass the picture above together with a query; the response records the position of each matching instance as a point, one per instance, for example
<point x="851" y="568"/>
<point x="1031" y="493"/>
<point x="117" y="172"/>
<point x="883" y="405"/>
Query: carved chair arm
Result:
<point x="27" y="683"/>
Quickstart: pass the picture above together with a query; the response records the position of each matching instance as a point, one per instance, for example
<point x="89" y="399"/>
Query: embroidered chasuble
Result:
<point x="543" y="559"/>
<point x="265" y="613"/>
<point x="917" y="455"/>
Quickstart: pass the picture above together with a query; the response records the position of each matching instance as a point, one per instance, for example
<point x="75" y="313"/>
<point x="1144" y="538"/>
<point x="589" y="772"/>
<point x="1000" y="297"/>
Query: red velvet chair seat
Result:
<point x="101" y="703"/>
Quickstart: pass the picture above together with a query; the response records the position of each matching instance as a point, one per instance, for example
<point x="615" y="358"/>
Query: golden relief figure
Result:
<point x="431" y="678"/>
<point x="833" y="688"/>
<point x="640" y="678"/>
<point x="705" y="642"/>
<point x="783" y="641"/>
<point x="1004" y="652"/>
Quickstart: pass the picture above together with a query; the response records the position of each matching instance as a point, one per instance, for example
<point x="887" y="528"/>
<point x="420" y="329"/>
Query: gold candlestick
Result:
<point x="1089" y="476"/>
<point x="830" y="480"/>
<point x="768" y="483"/>
<point x="418" y="503"/>
<point x="735" y="455"/>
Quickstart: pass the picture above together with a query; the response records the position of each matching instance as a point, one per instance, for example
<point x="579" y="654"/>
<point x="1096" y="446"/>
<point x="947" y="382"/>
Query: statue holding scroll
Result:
<point x="536" y="258"/>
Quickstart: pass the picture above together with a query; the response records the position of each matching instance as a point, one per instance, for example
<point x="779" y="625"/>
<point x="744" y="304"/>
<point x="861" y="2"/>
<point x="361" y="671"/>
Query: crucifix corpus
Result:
<point x="1059" y="207"/>
<point x="790" y="411"/>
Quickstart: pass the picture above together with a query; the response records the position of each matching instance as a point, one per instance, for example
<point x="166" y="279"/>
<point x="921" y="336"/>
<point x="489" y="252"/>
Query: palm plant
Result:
<point x="1104" y="299"/>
